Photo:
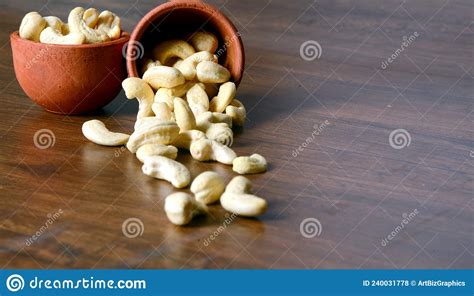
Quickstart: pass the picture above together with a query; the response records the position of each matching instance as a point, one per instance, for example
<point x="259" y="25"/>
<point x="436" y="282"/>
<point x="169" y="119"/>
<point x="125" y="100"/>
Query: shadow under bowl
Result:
<point x="69" y="79"/>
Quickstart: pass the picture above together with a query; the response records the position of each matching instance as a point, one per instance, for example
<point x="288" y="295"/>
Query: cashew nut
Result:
<point x="204" y="41"/>
<point x="172" y="48"/>
<point x="163" y="168"/>
<point x="51" y="36"/>
<point x="205" y="149"/>
<point x="197" y="99"/>
<point x="144" y="151"/>
<point x="237" y="199"/>
<point x="220" y="131"/>
<point x="181" y="208"/>
<point x="183" y="114"/>
<point x="145" y="123"/>
<point x="185" y="138"/>
<point x="139" y="89"/>
<point x="162" y="132"/>
<point x="96" y="132"/>
<point x="209" y="72"/>
<point x="252" y="164"/>
<point x="54" y="33"/>
<point x="237" y="112"/>
<point x="180" y="90"/>
<point x="188" y="65"/>
<point x="239" y="184"/>
<point x="109" y="23"/>
<point x="65" y="29"/>
<point x="78" y="25"/>
<point x="165" y="95"/>
<point x="224" y="97"/>
<point x="214" y="117"/>
<point x="31" y="26"/>
<point x="177" y="63"/>
<point x="162" y="111"/>
<point x="208" y="187"/>
<point x="91" y="17"/>
<point x="149" y="63"/>
<point x="163" y="76"/>
<point x="54" y="22"/>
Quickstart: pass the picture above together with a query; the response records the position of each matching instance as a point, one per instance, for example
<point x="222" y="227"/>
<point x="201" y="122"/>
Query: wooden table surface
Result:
<point x="371" y="163"/>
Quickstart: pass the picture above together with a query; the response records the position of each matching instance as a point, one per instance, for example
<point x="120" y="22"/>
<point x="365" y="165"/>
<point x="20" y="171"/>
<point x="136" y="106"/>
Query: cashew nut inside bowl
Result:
<point x="84" y="26"/>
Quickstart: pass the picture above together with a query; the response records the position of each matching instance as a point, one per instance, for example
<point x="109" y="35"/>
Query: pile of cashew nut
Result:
<point x="186" y="101"/>
<point x="84" y="26"/>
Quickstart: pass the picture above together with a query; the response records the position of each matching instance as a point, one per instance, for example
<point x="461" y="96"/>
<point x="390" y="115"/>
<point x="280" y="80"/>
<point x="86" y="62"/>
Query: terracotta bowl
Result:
<point x="69" y="79"/>
<point x="178" y="19"/>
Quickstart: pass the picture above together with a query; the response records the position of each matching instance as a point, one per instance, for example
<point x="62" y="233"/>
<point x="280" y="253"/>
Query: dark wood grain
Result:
<point x="349" y="177"/>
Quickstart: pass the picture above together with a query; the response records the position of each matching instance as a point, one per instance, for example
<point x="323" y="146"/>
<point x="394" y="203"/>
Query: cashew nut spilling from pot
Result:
<point x="136" y="88"/>
<point x="238" y="199"/>
<point x="181" y="208"/>
<point x="175" y="111"/>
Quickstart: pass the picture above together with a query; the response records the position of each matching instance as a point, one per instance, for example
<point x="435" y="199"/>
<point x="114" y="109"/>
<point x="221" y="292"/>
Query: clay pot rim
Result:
<point x="125" y="37"/>
<point x="168" y="7"/>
